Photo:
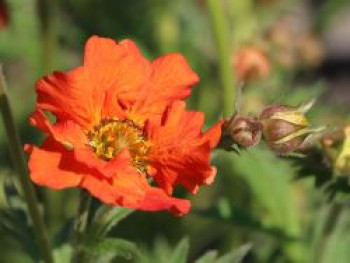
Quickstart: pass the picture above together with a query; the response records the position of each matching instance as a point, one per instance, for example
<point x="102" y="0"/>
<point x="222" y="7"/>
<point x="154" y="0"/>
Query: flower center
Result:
<point x="110" y="137"/>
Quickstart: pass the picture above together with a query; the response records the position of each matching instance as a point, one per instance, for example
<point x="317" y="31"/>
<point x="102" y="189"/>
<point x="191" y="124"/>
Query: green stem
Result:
<point x="53" y="200"/>
<point x="20" y="166"/>
<point x="80" y="226"/>
<point x="44" y="8"/>
<point x="221" y="37"/>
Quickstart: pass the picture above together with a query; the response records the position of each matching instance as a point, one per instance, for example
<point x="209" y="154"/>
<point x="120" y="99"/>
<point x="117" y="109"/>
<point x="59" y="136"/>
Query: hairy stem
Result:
<point x="81" y="226"/>
<point x="221" y="38"/>
<point x="21" y="168"/>
<point x="47" y="30"/>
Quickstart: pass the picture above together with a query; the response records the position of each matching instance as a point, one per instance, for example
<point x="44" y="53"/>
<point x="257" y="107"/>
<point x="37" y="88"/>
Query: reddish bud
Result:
<point x="251" y="63"/>
<point x="243" y="131"/>
<point x="4" y="17"/>
<point x="310" y="50"/>
<point x="286" y="129"/>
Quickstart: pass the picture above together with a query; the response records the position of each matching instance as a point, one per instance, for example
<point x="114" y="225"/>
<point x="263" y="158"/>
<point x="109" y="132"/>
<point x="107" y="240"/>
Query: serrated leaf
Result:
<point x="181" y="252"/>
<point x="316" y="165"/>
<point x="208" y="257"/>
<point x="269" y="180"/>
<point x="235" y="256"/>
<point x="112" y="247"/>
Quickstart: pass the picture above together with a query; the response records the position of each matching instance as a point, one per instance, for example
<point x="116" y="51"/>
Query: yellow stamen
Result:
<point x="111" y="136"/>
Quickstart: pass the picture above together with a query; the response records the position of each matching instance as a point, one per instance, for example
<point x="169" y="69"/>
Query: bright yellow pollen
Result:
<point x="110" y="137"/>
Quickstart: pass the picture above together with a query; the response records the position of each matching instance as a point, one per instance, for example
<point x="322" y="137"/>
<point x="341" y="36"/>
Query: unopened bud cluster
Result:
<point x="285" y="129"/>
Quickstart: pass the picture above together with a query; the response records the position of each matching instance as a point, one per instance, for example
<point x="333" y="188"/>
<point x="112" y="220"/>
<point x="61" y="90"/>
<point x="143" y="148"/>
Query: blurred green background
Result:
<point x="255" y="198"/>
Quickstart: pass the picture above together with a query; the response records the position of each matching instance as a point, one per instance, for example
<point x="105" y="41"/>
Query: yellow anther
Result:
<point x="110" y="137"/>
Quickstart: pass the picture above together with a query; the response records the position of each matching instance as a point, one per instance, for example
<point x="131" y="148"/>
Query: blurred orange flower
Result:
<point x="4" y="16"/>
<point x="122" y="131"/>
<point x="250" y="63"/>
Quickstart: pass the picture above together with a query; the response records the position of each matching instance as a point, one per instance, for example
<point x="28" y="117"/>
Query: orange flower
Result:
<point x="251" y="63"/>
<point x="4" y="17"/>
<point x="121" y="130"/>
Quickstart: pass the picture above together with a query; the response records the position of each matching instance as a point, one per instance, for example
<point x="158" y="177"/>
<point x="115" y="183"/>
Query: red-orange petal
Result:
<point x="213" y="134"/>
<point x="171" y="80"/>
<point x="108" y="180"/>
<point x="110" y="80"/>
<point x="69" y="96"/>
<point x="66" y="132"/>
<point x="156" y="199"/>
<point x="127" y="187"/>
<point x="172" y="77"/>
<point x="116" y="68"/>
<point x="181" y="152"/>
<point x="56" y="167"/>
<point x="53" y="166"/>
<point x="107" y="169"/>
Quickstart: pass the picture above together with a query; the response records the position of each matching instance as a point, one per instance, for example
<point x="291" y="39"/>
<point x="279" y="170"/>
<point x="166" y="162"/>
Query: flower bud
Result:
<point x="337" y="147"/>
<point x="286" y="129"/>
<point x="342" y="164"/>
<point x="280" y="35"/>
<point x="251" y="63"/>
<point x="310" y="51"/>
<point x="4" y="16"/>
<point x="243" y="131"/>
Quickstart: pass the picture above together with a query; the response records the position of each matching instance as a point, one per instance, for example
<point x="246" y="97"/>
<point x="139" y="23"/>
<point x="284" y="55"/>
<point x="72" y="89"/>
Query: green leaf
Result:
<point x="162" y="250"/>
<point x="242" y="218"/>
<point x="63" y="253"/>
<point x="269" y="179"/>
<point x="208" y="257"/>
<point x="317" y="166"/>
<point x="180" y="253"/>
<point x="111" y="247"/>
<point x="106" y="218"/>
<point x="14" y="222"/>
<point x="235" y="256"/>
<point x="334" y="244"/>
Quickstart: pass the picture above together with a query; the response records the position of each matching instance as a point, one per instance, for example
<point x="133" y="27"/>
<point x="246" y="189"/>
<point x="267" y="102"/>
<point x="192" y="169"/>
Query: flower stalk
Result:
<point x="47" y="30"/>
<point x="81" y="226"/>
<point x="21" y="168"/>
<point x="221" y="38"/>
